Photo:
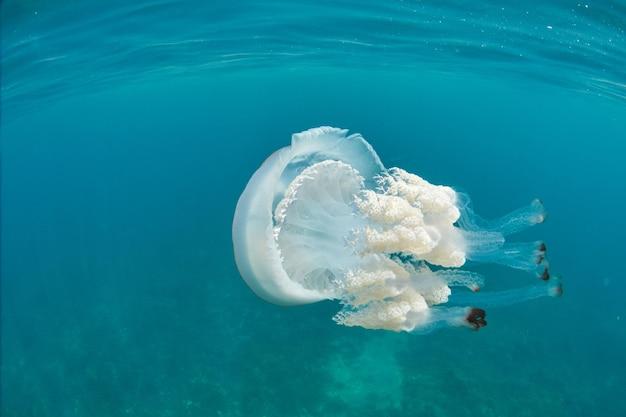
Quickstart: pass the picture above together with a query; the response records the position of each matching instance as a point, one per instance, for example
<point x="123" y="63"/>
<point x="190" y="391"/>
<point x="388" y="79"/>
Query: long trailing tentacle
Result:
<point x="527" y="256"/>
<point x="508" y="297"/>
<point x="514" y="222"/>
<point x="486" y="240"/>
<point x="440" y="317"/>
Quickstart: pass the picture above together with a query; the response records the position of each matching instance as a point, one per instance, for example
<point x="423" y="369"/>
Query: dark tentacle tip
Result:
<point x="545" y="275"/>
<point x="476" y="318"/>
<point x="542" y="247"/>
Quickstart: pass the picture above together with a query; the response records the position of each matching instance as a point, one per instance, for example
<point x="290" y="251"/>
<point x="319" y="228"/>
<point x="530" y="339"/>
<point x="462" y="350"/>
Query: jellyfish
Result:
<point x="323" y="219"/>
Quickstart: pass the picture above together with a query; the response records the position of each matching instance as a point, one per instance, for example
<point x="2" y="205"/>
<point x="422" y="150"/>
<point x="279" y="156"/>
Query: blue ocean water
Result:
<point x="130" y="130"/>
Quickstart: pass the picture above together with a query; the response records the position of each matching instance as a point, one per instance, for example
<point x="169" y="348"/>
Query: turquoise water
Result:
<point x="129" y="132"/>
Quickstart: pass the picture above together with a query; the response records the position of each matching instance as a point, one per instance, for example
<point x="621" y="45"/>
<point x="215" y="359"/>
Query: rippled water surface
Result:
<point x="52" y="50"/>
<point x="129" y="130"/>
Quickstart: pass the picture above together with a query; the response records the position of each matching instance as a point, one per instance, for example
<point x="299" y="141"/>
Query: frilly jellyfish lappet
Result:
<point x="323" y="219"/>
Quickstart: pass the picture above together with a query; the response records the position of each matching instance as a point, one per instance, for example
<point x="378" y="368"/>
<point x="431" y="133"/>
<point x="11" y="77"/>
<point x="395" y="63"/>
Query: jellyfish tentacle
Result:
<point x="527" y="256"/>
<point x="439" y="317"/>
<point x="461" y="278"/>
<point x="423" y="322"/>
<point x="508" y="297"/>
<point x="521" y="219"/>
<point x="514" y="222"/>
<point x="486" y="240"/>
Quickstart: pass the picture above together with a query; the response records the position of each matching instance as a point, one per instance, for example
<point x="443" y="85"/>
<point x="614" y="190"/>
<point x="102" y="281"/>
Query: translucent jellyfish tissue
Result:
<point x="323" y="219"/>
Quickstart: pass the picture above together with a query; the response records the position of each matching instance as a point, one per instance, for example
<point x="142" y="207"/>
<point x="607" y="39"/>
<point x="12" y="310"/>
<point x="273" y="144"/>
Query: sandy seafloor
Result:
<point x="120" y="295"/>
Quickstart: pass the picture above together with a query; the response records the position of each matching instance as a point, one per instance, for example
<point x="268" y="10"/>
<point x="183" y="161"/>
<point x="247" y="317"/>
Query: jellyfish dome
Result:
<point x="323" y="219"/>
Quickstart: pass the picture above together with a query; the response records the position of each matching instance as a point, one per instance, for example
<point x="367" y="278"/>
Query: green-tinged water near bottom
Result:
<point x="120" y="295"/>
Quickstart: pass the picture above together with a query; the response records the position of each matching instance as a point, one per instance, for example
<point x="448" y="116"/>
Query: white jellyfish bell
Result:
<point x="323" y="219"/>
